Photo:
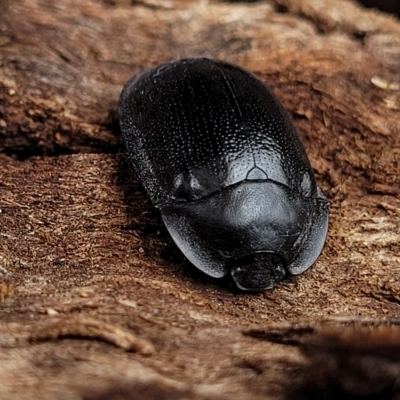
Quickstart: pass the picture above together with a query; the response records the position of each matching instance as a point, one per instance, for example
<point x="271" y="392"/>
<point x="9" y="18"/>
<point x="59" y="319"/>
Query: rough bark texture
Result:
<point x="97" y="302"/>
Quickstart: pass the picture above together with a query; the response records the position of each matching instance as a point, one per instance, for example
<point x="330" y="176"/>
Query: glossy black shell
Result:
<point x="219" y="156"/>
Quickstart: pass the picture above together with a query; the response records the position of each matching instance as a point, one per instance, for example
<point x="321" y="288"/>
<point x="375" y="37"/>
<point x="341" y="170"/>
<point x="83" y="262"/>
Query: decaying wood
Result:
<point x="83" y="327"/>
<point x="80" y="241"/>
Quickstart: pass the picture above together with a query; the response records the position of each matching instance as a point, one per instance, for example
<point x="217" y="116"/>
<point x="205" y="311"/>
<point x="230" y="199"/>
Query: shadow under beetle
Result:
<point x="218" y="155"/>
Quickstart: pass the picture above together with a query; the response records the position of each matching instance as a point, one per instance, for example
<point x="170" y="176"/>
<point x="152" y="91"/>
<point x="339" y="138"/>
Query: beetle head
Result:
<point x="256" y="231"/>
<point x="258" y="271"/>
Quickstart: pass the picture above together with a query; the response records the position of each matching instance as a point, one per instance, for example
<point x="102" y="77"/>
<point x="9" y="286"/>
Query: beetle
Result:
<point x="220" y="158"/>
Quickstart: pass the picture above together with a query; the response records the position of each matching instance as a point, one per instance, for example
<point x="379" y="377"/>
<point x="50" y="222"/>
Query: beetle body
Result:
<point x="219" y="156"/>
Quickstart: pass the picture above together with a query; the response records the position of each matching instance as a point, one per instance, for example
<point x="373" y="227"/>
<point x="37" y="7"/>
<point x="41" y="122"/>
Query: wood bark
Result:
<point x="96" y="300"/>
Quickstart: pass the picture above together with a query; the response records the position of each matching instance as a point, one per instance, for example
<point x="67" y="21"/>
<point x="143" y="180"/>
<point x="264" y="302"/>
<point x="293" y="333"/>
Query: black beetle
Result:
<point x="218" y="155"/>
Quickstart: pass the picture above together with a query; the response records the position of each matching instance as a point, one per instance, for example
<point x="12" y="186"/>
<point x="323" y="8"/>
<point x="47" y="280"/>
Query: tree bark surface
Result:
<point x="96" y="302"/>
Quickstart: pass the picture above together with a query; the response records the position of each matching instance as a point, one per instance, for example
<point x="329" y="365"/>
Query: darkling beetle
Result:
<point x="219" y="157"/>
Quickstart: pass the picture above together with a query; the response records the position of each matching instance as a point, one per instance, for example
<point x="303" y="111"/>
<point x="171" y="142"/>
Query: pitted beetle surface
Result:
<point x="219" y="156"/>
